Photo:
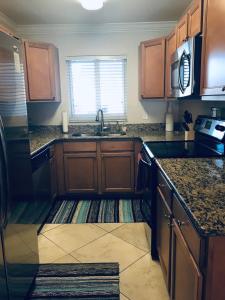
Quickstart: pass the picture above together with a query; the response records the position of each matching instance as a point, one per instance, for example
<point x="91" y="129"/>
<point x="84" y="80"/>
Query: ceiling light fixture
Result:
<point x="92" y="4"/>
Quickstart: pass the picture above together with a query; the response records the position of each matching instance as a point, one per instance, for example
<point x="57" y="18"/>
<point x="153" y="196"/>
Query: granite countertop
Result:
<point x="201" y="184"/>
<point x="39" y="140"/>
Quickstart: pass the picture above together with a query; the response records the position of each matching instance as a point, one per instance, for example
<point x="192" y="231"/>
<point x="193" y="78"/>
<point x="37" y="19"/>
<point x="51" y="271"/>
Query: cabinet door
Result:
<point x="195" y="18"/>
<point x="117" y="172"/>
<point x="213" y="51"/>
<point x="186" y="279"/>
<point x="182" y="30"/>
<point x="171" y="45"/>
<point x="41" y="67"/>
<point x="80" y="172"/>
<point x="152" y="67"/>
<point x="164" y="235"/>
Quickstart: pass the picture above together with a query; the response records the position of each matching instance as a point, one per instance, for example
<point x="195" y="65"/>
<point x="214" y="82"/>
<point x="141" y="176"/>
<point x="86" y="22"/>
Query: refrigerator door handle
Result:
<point x="4" y="180"/>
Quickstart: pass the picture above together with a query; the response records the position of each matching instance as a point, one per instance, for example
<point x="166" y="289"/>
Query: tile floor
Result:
<point x="140" y="277"/>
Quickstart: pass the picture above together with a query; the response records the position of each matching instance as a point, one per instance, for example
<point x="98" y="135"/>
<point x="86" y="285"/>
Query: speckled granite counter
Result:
<point x="39" y="140"/>
<point x="201" y="184"/>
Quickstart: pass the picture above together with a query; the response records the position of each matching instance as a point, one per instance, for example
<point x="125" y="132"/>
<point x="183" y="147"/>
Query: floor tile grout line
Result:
<point x="51" y="228"/>
<point x="74" y="249"/>
<point x="131" y="243"/>
<point x="125" y="296"/>
<point x="109" y="223"/>
<point x="67" y="255"/>
<point x="146" y="252"/>
<point x="134" y="262"/>
<point x="88" y="243"/>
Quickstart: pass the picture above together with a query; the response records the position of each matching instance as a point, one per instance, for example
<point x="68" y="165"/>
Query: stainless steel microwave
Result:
<point x="185" y="69"/>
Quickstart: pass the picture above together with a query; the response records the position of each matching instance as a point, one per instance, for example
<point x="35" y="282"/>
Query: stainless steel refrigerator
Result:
<point x="18" y="231"/>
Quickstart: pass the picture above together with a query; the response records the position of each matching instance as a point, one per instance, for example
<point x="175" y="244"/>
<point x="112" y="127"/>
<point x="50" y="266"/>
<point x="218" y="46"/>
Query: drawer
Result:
<point x="165" y="188"/>
<point x="189" y="233"/>
<point x="80" y="147"/>
<point x="109" y="146"/>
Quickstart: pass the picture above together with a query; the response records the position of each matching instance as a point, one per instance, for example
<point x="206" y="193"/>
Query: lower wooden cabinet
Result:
<point x="186" y="279"/>
<point x="80" y="172"/>
<point x="164" y="216"/>
<point x="117" y="172"/>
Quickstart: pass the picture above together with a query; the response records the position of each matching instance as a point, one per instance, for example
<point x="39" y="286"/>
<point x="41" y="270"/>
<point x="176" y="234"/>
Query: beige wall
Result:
<point x="110" y="43"/>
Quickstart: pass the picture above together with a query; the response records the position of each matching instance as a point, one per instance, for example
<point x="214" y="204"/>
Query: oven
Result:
<point x="185" y="69"/>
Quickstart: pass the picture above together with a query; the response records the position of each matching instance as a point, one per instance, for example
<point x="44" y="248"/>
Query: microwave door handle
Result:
<point x="179" y="80"/>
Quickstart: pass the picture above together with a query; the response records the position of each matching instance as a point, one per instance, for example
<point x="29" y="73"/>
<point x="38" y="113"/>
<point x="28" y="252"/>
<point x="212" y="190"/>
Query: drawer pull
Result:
<point x="223" y="89"/>
<point x="180" y="223"/>
<point x="162" y="185"/>
<point x="167" y="216"/>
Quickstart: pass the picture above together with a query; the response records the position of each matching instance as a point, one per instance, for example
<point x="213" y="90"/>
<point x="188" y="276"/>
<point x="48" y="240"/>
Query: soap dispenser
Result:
<point x="169" y="118"/>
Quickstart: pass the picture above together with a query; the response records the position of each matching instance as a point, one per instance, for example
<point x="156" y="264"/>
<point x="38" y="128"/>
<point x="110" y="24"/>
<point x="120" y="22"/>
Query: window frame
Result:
<point x="73" y="118"/>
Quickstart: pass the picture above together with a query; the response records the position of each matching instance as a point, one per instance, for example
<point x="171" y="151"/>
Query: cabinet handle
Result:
<point x="223" y="89"/>
<point x="162" y="185"/>
<point x="180" y="223"/>
<point x="167" y="216"/>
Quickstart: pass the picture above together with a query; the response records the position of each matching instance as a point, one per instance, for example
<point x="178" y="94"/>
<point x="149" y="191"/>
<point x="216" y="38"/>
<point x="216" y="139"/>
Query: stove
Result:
<point x="209" y="142"/>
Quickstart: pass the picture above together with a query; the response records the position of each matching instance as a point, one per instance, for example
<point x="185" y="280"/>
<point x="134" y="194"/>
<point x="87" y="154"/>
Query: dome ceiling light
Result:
<point x="92" y="4"/>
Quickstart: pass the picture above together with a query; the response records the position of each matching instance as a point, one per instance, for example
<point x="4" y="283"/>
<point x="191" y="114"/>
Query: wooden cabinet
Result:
<point x="164" y="217"/>
<point x="195" y="18"/>
<point x="186" y="279"/>
<point x="117" y="166"/>
<point x="117" y="172"/>
<point x="80" y="167"/>
<point x="171" y="46"/>
<point x="97" y="167"/>
<point x="80" y="172"/>
<point x="152" y="68"/>
<point x="42" y="70"/>
<point x="182" y="30"/>
<point x="213" y="50"/>
<point x="7" y="30"/>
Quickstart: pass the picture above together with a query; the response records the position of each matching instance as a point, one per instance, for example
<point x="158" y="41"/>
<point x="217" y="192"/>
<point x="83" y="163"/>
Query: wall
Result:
<point x="117" y="39"/>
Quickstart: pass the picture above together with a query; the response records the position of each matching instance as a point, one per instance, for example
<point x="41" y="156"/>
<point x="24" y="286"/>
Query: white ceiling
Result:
<point x="70" y="11"/>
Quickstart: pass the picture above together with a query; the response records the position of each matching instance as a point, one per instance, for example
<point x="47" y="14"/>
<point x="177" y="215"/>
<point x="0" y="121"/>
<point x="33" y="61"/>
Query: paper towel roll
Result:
<point x="65" y="122"/>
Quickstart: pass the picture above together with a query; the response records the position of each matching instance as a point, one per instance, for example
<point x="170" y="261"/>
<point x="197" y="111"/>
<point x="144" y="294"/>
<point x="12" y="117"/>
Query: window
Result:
<point x="97" y="82"/>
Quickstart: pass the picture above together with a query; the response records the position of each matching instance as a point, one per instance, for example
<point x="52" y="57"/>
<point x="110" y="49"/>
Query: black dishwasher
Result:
<point x="41" y="176"/>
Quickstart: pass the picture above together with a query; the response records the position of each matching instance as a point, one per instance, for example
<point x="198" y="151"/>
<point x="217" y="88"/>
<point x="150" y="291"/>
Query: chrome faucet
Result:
<point x="102" y="125"/>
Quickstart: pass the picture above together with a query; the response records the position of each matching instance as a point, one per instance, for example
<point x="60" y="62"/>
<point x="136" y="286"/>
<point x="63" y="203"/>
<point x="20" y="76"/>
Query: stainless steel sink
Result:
<point x="104" y="134"/>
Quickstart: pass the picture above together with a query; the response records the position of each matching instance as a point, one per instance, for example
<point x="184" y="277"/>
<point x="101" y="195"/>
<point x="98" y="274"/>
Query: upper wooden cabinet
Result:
<point x="190" y="24"/>
<point x="171" y="45"/>
<point x="182" y="30"/>
<point x="213" y="50"/>
<point x="42" y="68"/>
<point x="152" y="68"/>
<point x="7" y="30"/>
<point x="195" y="18"/>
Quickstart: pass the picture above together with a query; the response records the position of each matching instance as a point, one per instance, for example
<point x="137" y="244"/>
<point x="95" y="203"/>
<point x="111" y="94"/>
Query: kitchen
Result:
<point x="110" y="168"/>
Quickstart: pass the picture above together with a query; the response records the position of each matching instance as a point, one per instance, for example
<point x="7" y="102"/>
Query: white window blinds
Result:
<point x="97" y="82"/>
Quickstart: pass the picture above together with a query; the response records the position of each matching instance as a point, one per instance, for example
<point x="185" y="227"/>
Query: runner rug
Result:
<point x="77" y="282"/>
<point x="96" y="211"/>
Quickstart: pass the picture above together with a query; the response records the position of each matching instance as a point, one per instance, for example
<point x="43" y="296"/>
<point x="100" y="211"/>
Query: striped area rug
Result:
<point x="96" y="211"/>
<point x="77" y="282"/>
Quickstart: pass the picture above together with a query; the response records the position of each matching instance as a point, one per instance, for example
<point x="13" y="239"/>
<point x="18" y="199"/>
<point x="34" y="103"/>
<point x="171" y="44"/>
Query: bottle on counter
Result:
<point x="169" y="118"/>
<point x="65" y="123"/>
